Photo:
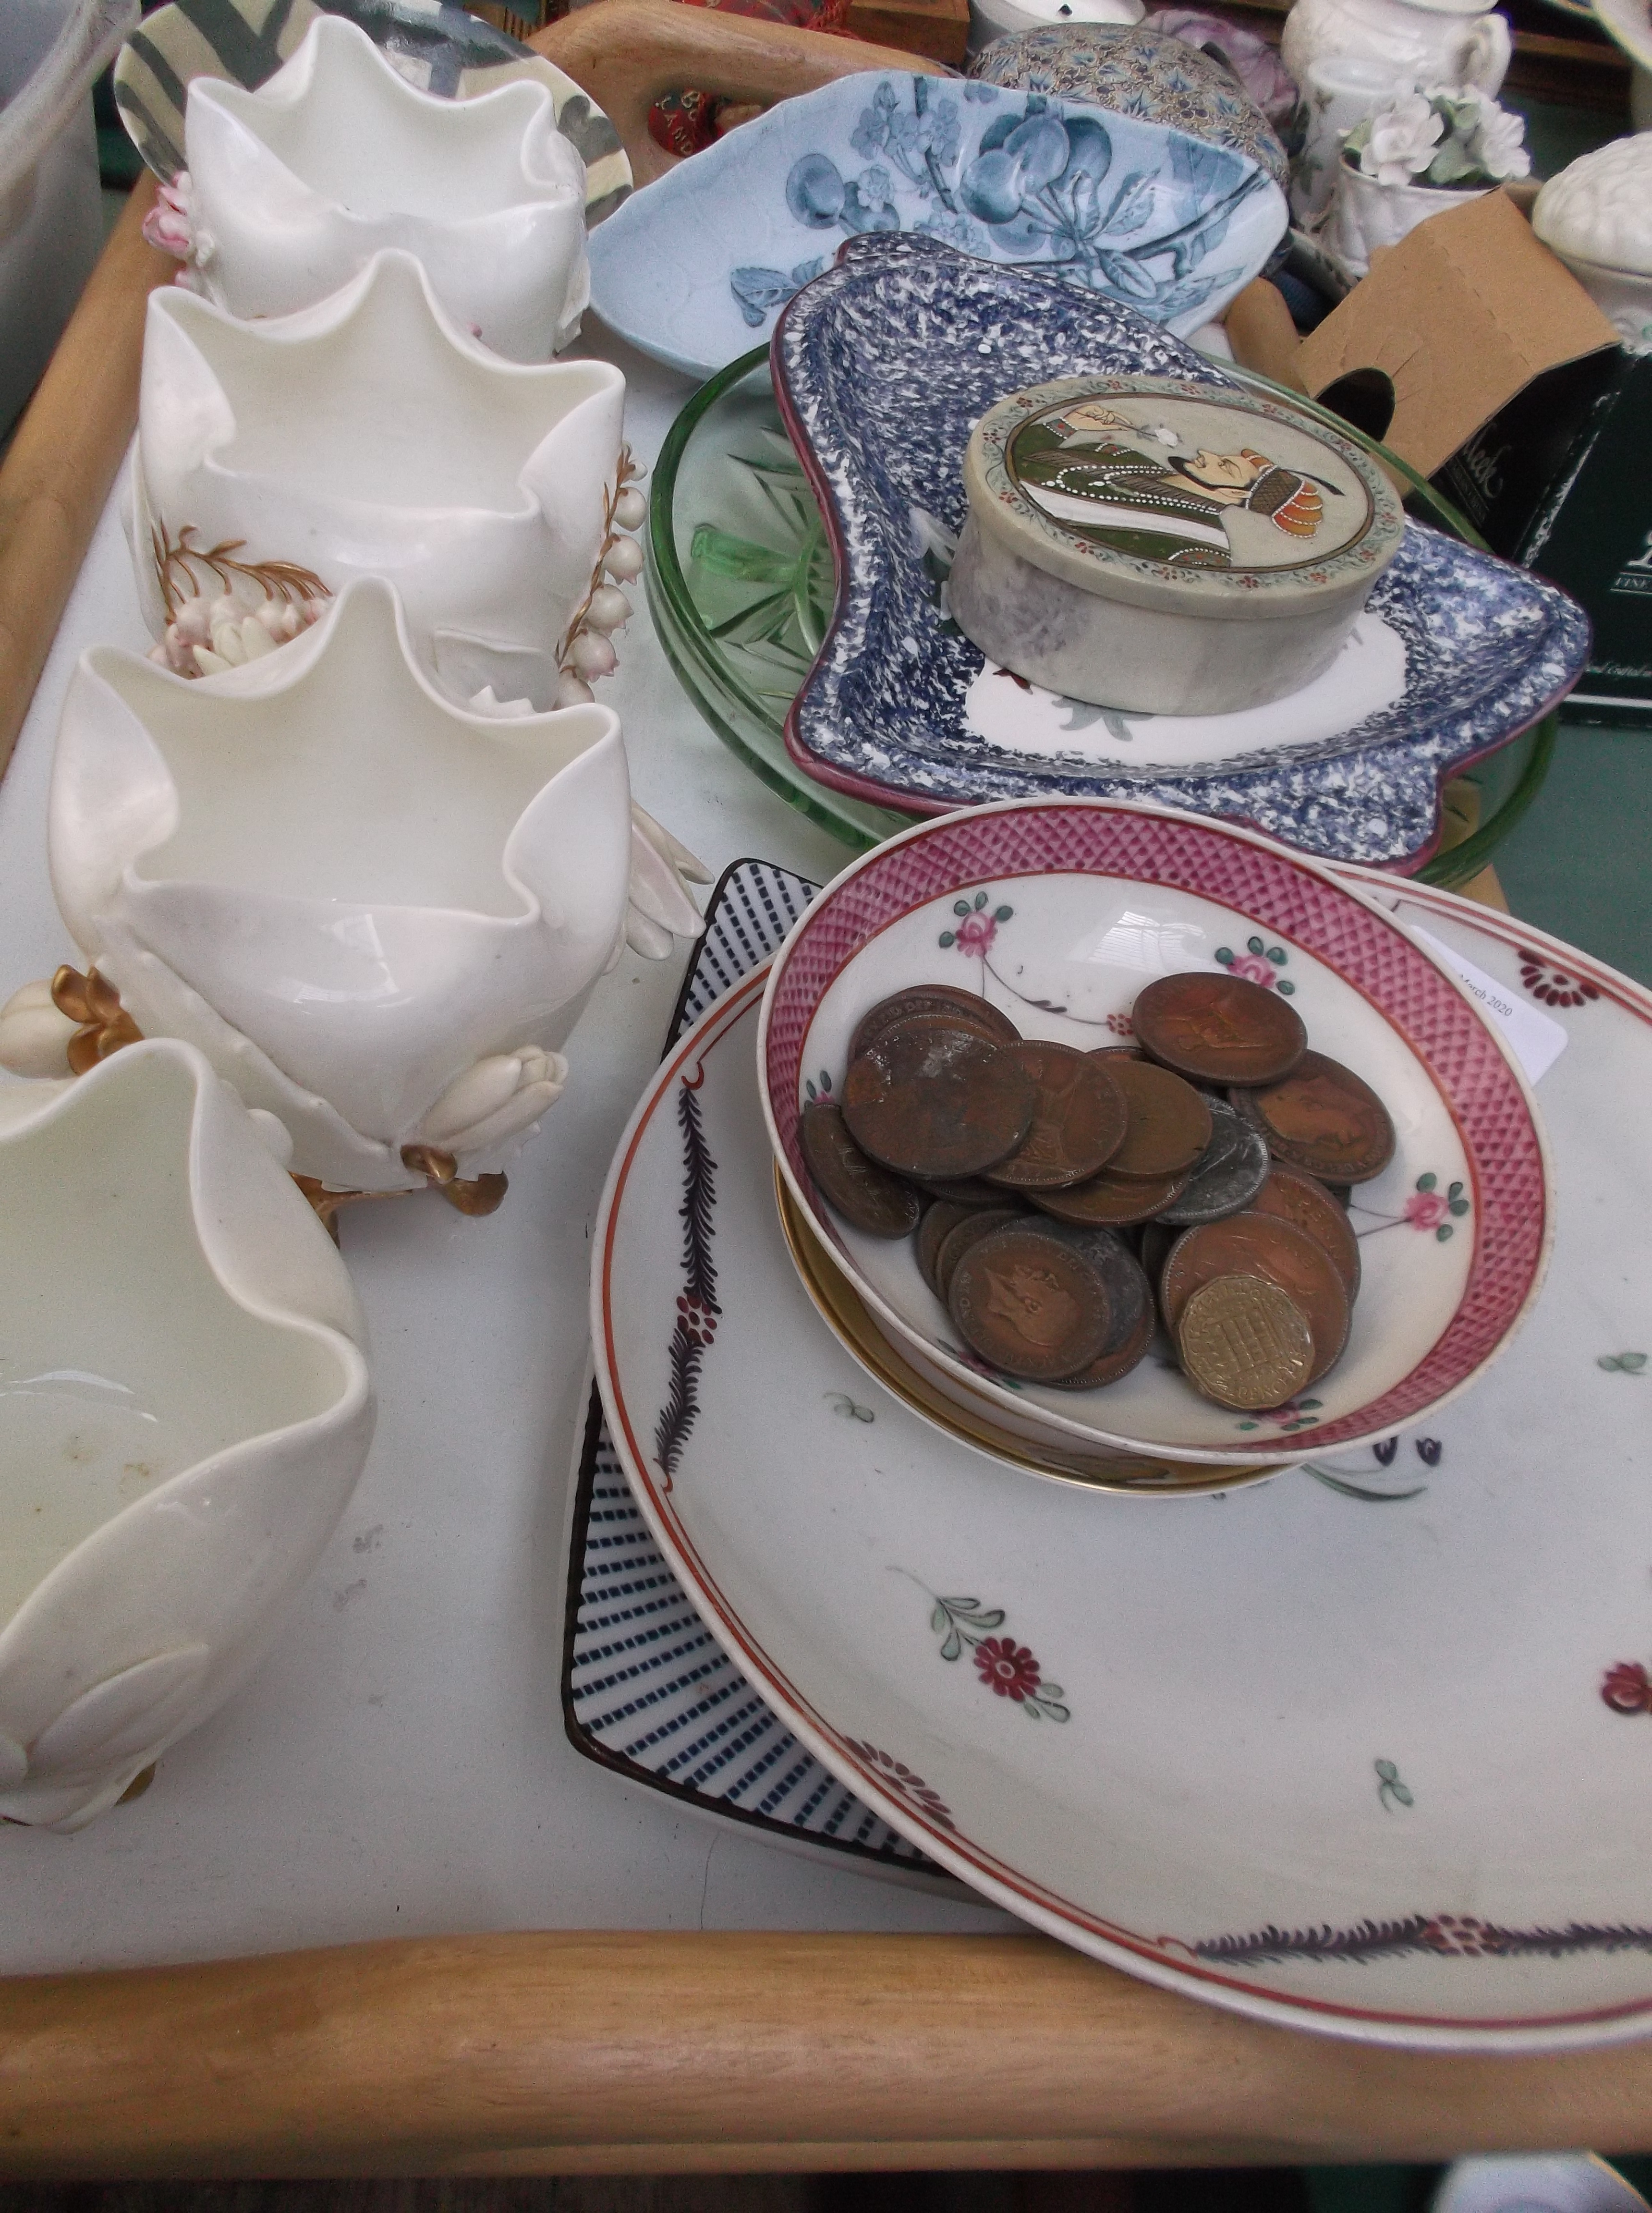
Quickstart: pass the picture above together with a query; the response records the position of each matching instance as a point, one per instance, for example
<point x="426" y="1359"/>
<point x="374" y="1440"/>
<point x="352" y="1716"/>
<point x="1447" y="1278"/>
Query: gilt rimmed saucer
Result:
<point x="1360" y="1749"/>
<point x="1456" y="654"/>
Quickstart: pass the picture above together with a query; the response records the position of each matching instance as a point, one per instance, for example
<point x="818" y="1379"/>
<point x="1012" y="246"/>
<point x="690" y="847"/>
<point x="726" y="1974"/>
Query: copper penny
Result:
<point x="867" y="1196"/>
<point x="978" y="1222"/>
<point x="1244" y="1343"/>
<point x="1219" y="1029"/>
<point x="929" y="1099"/>
<point x="1030" y="1305"/>
<point x="962" y="1191"/>
<point x="930" y="999"/>
<point x="941" y="1216"/>
<point x="1169" y="1123"/>
<point x="1266" y="1245"/>
<point x="1324" y="1119"/>
<point x="1157" y="1239"/>
<point x="1135" y="1317"/>
<point x="1109" y="1201"/>
<point x="1077" y="1124"/>
<point x="1302" y="1199"/>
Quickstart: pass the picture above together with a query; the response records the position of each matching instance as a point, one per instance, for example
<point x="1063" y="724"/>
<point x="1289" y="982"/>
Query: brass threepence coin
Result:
<point x="929" y="1098"/>
<point x="1304" y="1200"/>
<point x="867" y="1196"/>
<point x="1324" y="1119"/>
<point x="1130" y="1295"/>
<point x="930" y="999"/>
<point x="1231" y="1170"/>
<point x="1277" y="1251"/>
<point x="979" y="1223"/>
<point x="1109" y="1201"/>
<point x="1077" y="1124"/>
<point x="1219" y="1029"/>
<point x="1030" y="1305"/>
<point x="1245" y="1343"/>
<point x="1169" y="1122"/>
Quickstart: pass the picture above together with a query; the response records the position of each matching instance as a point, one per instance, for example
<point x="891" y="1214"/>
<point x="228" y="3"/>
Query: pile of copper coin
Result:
<point x="1066" y="1204"/>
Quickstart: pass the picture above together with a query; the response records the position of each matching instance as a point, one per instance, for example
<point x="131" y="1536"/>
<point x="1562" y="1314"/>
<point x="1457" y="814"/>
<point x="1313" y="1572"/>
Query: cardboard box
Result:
<point x="1512" y="393"/>
<point x="1588" y="529"/>
<point x="1461" y="316"/>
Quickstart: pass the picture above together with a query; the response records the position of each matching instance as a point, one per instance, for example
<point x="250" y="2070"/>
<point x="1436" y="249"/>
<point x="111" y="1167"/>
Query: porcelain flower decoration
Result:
<point x="378" y="914"/>
<point x="1444" y="135"/>
<point x="187" y="1410"/>
<point x="293" y="187"/>
<point x="1401" y="141"/>
<point x="372" y="436"/>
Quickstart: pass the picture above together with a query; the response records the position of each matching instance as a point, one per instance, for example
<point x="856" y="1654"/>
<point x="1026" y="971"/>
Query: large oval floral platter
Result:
<point x="1366" y="1748"/>
<point x="699" y="262"/>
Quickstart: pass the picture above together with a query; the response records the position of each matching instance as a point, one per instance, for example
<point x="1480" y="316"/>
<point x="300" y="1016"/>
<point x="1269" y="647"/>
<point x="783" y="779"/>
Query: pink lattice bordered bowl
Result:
<point x="1059" y="915"/>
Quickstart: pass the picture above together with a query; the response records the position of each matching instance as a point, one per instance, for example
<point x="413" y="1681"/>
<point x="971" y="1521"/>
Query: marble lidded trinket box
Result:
<point x="371" y="435"/>
<point x="1150" y="545"/>
<point x="294" y="186"/>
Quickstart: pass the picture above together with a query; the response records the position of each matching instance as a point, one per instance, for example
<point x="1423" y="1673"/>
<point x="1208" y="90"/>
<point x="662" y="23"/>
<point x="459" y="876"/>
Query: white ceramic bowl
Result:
<point x="378" y="915"/>
<point x="1059" y="915"/>
<point x="184" y="1411"/>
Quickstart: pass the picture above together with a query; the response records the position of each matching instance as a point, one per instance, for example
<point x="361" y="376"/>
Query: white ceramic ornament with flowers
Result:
<point x="291" y="189"/>
<point x="1419" y="153"/>
<point x="371" y="435"/>
<point x="378" y="914"/>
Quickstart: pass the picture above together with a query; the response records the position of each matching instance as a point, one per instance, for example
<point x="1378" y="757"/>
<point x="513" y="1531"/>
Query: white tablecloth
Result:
<point x="397" y="1766"/>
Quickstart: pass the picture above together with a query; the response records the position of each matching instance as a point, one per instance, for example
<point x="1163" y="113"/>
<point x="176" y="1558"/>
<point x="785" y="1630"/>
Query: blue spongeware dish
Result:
<point x="883" y="368"/>
<point x="692" y="267"/>
<point x="1137" y="70"/>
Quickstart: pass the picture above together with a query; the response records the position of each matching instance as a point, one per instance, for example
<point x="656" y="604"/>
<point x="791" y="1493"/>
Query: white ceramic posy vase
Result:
<point x="294" y="188"/>
<point x="184" y="1411"/>
<point x="377" y="914"/>
<point x="1415" y="41"/>
<point x="1366" y="215"/>
<point x="371" y="436"/>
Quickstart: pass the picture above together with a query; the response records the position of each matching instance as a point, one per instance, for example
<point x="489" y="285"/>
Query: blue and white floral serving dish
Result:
<point x="882" y="370"/>
<point x="690" y="268"/>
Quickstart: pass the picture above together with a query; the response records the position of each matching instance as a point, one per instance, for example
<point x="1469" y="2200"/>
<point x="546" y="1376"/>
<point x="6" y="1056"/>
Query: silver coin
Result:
<point x="1232" y="1169"/>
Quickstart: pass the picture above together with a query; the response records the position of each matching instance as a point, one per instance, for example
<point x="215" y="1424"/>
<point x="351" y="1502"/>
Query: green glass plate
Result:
<point x="740" y="584"/>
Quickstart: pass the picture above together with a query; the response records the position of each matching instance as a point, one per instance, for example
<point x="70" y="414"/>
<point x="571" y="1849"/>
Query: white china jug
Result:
<point x="1416" y="41"/>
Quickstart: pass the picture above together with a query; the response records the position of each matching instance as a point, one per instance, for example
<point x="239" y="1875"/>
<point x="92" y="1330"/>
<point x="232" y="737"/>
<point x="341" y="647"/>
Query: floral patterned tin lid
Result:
<point x="1181" y="495"/>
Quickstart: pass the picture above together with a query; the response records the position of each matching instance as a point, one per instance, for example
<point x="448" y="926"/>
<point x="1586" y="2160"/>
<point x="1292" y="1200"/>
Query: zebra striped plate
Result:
<point x="647" y="1690"/>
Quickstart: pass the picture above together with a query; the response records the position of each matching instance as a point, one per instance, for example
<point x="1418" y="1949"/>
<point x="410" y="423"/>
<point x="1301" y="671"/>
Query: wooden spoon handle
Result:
<point x="626" y="52"/>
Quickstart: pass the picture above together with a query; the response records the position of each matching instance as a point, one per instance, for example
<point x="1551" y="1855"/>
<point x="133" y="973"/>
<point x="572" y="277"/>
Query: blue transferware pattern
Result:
<point x="938" y="338"/>
<point x="1136" y="69"/>
<point x="1117" y="205"/>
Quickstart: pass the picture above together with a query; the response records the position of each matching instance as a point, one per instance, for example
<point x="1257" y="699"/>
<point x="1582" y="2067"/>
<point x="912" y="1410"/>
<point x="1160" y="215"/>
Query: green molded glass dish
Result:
<point x="741" y="585"/>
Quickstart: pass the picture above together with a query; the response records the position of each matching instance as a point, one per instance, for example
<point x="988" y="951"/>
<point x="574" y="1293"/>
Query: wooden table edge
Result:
<point x="610" y="2051"/>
